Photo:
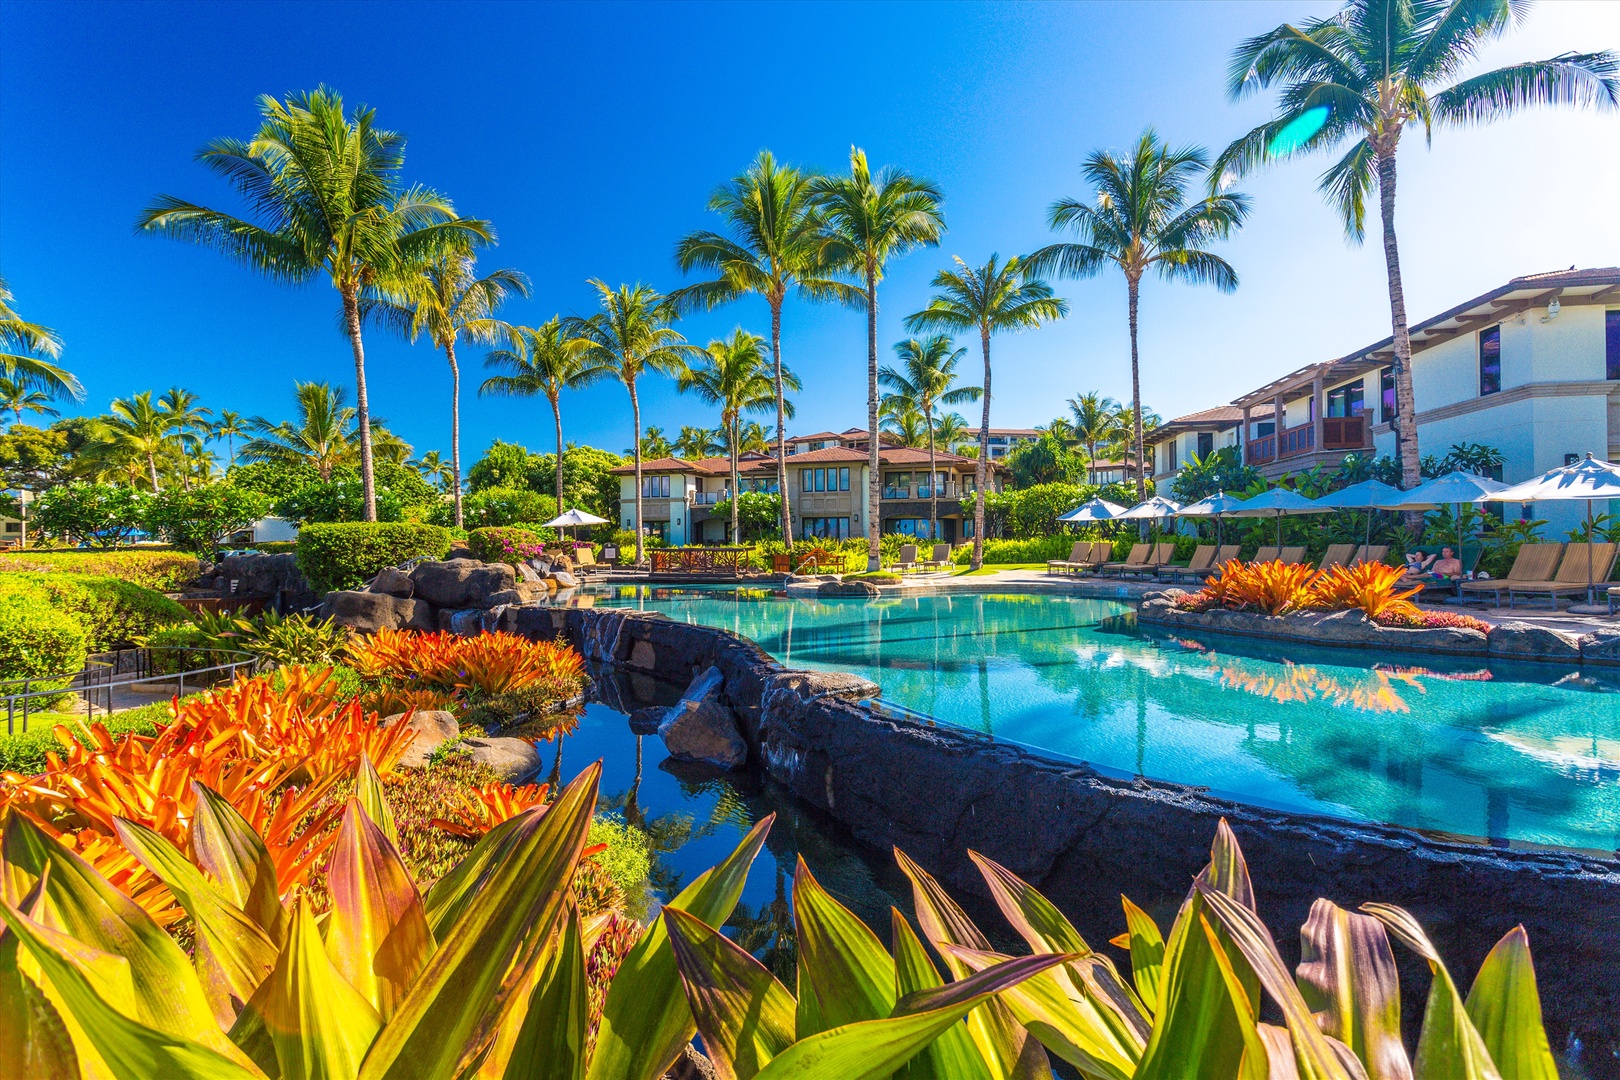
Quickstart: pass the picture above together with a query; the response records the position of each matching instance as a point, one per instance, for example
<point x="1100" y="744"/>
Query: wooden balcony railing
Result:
<point x="1338" y="433"/>
<point x="1344" y="432"/>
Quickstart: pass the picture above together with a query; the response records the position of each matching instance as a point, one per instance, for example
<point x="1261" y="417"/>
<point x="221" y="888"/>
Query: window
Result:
<point x="1490" y="360"/>
<point x="1206" y="444"/>
<point x="1170" y="454"/>
<point x="824" y="528"/>
<point x="659" y="529"/>
<point x="1611" y="344"/>
<point x="843" y="479"/>
<point x="1347" y="400"/>
<point x="655" y="487"/>
<point x="821" y="479"/>
<point x="1386" y="395"/>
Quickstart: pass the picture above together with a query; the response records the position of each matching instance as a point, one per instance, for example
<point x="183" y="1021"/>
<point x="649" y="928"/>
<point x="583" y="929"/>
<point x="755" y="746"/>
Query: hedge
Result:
<point x="37" y="639"/>
<point x="112" y="612"/>
<point x="503" y="543"/>
<point x="1039" y="550"/>
<point x="344" y="555"/>
<point x="165" y="571"/>
<point x="25" y="751"/>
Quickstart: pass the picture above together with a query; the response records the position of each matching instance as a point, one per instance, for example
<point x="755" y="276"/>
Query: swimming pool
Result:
<point x="1513" y="754"/>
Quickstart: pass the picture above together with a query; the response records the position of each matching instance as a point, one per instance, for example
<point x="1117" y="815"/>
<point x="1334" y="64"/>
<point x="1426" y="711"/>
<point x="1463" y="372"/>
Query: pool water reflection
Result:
<point x="1508" y="753"/>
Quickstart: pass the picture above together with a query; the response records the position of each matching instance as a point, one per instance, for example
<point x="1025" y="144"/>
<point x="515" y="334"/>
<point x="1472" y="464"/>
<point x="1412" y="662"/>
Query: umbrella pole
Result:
<point x="1279" y="534"/>
<point x="1591" y="593"/>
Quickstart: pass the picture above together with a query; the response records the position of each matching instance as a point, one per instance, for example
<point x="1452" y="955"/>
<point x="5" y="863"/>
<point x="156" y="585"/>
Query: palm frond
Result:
<point x="1582" y="80"/>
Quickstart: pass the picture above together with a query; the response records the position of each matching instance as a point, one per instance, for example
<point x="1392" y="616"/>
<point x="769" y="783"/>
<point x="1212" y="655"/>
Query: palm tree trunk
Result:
<point x="933" y="480"/>
<point x="151" y="470"/>
<point x="556" y="413"/>
<point x="781" y="423"/>
<point x="362" y="406"/>
<point x="455" y="427"/>
<point x="736" y="495"/>
<point x="1133" y="286"/>
<point x="984" y="456"/>
<point x="874" y="480"/>
<point x="1091" y="463"/>
<point x="635" y="412"/>
<point x="1406" y="439"/>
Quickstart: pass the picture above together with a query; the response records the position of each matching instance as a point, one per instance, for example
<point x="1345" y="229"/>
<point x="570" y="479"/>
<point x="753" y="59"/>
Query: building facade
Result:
<point x="1174" y="445"/>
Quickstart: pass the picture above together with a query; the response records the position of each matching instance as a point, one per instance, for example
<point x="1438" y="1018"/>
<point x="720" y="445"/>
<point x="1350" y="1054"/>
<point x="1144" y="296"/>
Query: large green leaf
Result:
<point x="550" y="1043"/>
<point x="1262" y="1059"/>
<point x="1347" y="977"/>
<point x="872" y="1049"/>
<point x="645" y="1019"/>
<point x="1228" y="872"/>
<point x="377" y="933"/>
<point x="449" y="1013"/>
<point x="451" y="894"/>
<point x="368" y="788"/>
<point x="225" y="845"/>
<point x="852" y="974"/>
<point x="1009" y="1051"/>
<point x="319" y="1025"/>
<point x="952" y="1056"/>
<point x="1197" y="1030"/>
<point x="1449" y="1045"/>
<point x="745" y="1016"/>
<point x="233" y="953"/>
<point x="35" y="1041"/>
<point x="132" y="1050"/>
<point x="1505" y="1007"/>
<point x="1147" y="953"/>
<point x="168" y="996"/>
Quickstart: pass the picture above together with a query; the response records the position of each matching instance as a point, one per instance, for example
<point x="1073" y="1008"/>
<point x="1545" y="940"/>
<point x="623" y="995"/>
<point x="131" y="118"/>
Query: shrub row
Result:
<point x="112" y="612"/>
<point x="37" y="639"/>
<point x="344" y="555"/>
<point x="165" y="571"/>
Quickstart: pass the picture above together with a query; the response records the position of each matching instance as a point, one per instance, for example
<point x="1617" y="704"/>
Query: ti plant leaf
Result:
<point x="1505" y="1007"/>
<point x="225" y="845"/>
<point x="1228" y="871"/>
<point x="952" y="1056"/>
<point x="1147" y="953"/>
<point x="550" y="1043"/>
<point x="1197" y="1030"/>
<point x="35" y="1041"/>
<point x="745" y="1016"/>
<point x="368" y="788"/>
<point x="851" y="973"/>
<point x="1347" y="977"/>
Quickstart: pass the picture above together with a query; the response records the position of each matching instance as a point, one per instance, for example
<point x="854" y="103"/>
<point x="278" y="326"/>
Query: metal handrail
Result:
<point x="92" y="687"/>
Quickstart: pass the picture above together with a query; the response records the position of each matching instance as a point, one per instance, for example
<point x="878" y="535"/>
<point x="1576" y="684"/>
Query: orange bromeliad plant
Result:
<point x="475" y="811"/>
<point x="485" y="665"/>
<point x="1271" y="587"/>
<point x="1372" y="587"/>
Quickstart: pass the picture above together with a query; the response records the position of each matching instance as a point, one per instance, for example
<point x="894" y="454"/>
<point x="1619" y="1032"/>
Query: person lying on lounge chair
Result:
<point x="1436" y="568"/>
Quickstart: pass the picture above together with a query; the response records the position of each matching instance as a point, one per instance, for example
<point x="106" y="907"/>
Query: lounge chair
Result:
<point x="1160" y="558"/>
<point x="939" y="558"/>
<point x="1574" y="573"/>
<point x="1227" y="553"/>
<point x="1336" y="555"/>
<point x="1267" y="554"/>
<point x="585" y="563"/>
<point x="1292" y="556"/>
<point x="908" y="558"/>
<point x="1203" y="557"/>
<point x="1534" y="562"/>
<point x="1078" y="554"/>
<point x="1137" y="557"/>
<point x="1365" y="554"/>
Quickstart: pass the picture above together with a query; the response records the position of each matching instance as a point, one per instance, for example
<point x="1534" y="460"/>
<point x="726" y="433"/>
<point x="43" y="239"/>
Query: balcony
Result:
<point x="946" y="491"/>
<point x="706" y="498"/>
<point x="900" y="492"/>
<point x="1338" y="433"/>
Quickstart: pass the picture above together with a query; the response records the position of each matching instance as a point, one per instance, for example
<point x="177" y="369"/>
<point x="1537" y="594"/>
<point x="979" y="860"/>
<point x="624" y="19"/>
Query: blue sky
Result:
<point x="592" y="135"/>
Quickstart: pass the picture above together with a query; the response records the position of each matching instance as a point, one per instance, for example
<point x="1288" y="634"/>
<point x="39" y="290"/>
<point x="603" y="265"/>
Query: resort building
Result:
<point x="1172" y="446"/>
<point x="826" y="492"/>
<point x="1531" y="368"/>
<point x="1004" y="441"/>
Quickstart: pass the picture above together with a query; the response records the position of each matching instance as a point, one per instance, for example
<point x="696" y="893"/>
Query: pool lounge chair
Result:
<point x="907" y="560"/>
<point x="1292" y="556"/>
<point x="1534" y="562"/>
<point x="1227" y="553"/>
<point x="1365" y="554"/>
<point x="1573" y="573"/>
<point x="1266" y="554"/>
<point x="939" y="558"/>
<point x="1336" y="555"/>
<point x="585" y="563"/>
<point x="1078" y="554"/>
<point x="1160" y="558"/>
<point x="1137" y="557"/>
<point x="1202" y="559"/>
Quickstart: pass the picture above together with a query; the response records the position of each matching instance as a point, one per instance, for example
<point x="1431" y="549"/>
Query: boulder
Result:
<point x="433" y="728"/>
<point x="647" y="721"/>
<point x="847" y="588"/>
<point x="811" y="685"/>
<point x="394" y="582"/>
<point x="514" y="761"/>
<point x="564" y="579"/>
<point x="461" y="552"/>
<point x="1600" y="647"/>
<point x="702" y="727"/>
<point x="467" y="622"/>
<point x="421" y="617"/>
<point x="1524" y="641"/>
<point x="561" y="562"/>
<point x="461" y="583"/>
<point x="526" y="572"/>
<point x="366" y="613"/>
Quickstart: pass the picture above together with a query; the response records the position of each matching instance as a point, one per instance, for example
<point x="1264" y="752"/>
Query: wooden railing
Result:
<point x="1338" y="433"/>
<point x="1300" y="439"/>
<point x="1260" y="450"/>
<point x="1344" y="432"/>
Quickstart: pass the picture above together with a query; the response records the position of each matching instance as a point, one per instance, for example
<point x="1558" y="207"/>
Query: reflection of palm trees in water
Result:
<point x="1141" y="723"/>
<point x="767" y="932"/>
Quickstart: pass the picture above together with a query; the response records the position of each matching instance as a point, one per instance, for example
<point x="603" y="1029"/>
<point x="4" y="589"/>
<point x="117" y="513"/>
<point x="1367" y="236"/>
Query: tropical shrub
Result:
<point x="495" y="507"/>
<point x="291" y="639"/>
<point x="1372" y="587"/>
<point x="344" y="555"/>
<point x="112" y="612"/>
<point x="101" y="515"/>
<point x="759" y="515"/>
<point x="1269" y="587"/>
<point x="1039" y="550"/>
<point x="203" y="517"/>
<point x="341" y="499"/>
<point x="1418" y="619"/>
<point x="24" y="752"/>
<point x="164" y="571"/>
<point x="487" y="668"/>
<point x="508" y="544"/>
<point x="37" y="639"/>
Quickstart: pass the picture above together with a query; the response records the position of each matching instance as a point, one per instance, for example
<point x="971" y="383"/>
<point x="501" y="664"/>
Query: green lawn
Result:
<point x="996" y="568"/>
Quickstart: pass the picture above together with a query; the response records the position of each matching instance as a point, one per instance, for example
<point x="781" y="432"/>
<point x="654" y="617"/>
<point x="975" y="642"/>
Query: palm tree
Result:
<point x="434" y="469"/>
<point x="695" y="442"/>
<point x="654" y="444"/>
<point x="1365" y="75"/>
<point x="188" y="424"/>
<point x="387" y="446"/>
<point x="1140" y="220"/>
<point x="323" y="435"/>
<point x="18" y="396"/>
<point x="990" y="299"/>
<point x="544" y="361"/>
<point x="21" y="340"/>
<point x="628" y="338"/>
<point x="326" y="189"/>
<point x="951" y="431"/>
<point x="900" y="421"/>
<point x="1093" y="421"/>
<point x="752" y="438"/>
<point x="229" y="426"/>
<point x="141" y="427"/>
<point x="869" y="221"/>
<point x="445" y="297"/>
<point x="774" y="243"/>
<point x="926" y="380"/>
<point x="733" y="374"/>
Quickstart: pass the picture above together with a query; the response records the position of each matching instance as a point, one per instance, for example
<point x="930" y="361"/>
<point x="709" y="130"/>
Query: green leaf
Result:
<point x="1197" y="1029"/>
<point x="1449" y="1045"/>
<point x="226" y="846"/>
<point x="377" y="934"/>
<point x="1258" y="1060"/>
<point x="1147" y="953"/>
<point x="449" y="1013"/>
<point x="1347" y="977"/>
<point x="1228" y="872"/>
<point x="745" y="1016"/>
<point x="320" y="1026"/>
<point x="131" y="1050"/>
<point x="167" y="993"/>
<point x="368" y="788"/>
<point x="952" y="1056"/>
<point x="35" y="1041"/>
<point x="645" y="1019"/>
<point x="233" y="953"/>
<point x="1505" y="1007"/>
<point x="452" y="893"/>
<point x="550" y="1044"/>
<point x="852" y="974"/>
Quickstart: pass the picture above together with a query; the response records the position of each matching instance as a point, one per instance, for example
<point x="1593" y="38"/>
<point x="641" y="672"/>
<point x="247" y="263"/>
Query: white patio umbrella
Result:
<point x="1368" y="495"/>
<point x="573" y="519"/>
<point x="1452" y="489"/>
<point x="1095" y="510"/>
<point x="1276" y="503"/>
<point x="1214" y="506"/>
<point x="1157" y="508"/>
<point x="1588" y="479"/>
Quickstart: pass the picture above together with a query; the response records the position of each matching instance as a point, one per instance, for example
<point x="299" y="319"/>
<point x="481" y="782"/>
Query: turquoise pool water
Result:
<point x="1506" y="753"/>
